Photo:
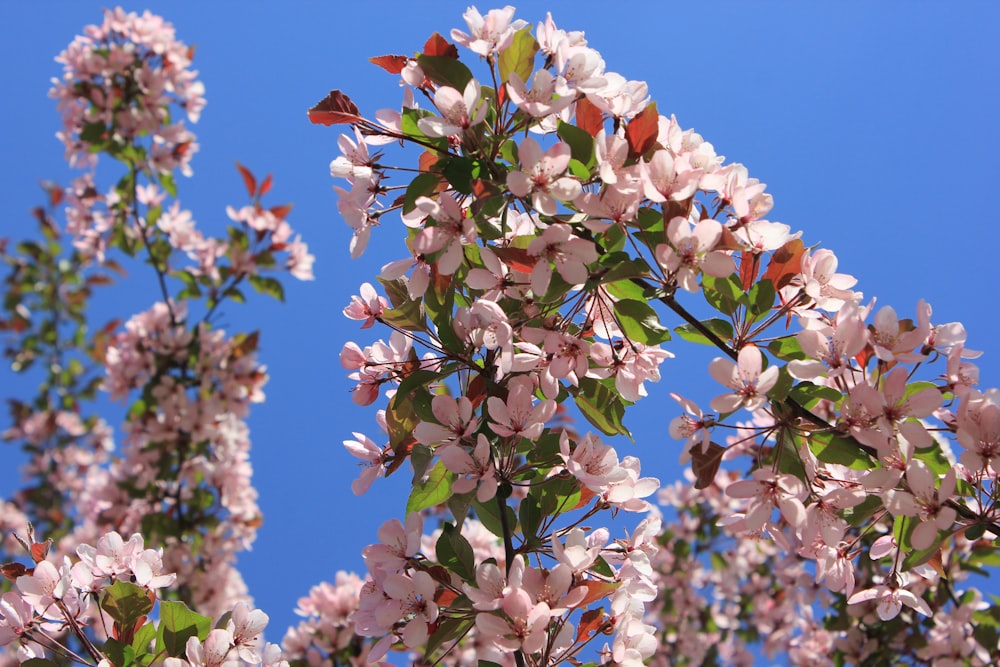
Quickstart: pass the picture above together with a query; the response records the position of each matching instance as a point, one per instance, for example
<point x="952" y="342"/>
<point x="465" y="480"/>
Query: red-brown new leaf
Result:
<point x="265" y="187"/>
<point x="336" y="108"/>
<point x="706" y="464"/>
<point x="391" y="64"/>
<point x="589" y="118"/>
<point x="642" y="130"/>
<point x="248" y="179"/>
<point x="785" y="264"/>
<point x="439" y="46"/>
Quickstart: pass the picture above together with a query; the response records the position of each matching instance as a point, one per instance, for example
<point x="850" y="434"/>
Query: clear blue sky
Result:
<point x="873" y="124"/>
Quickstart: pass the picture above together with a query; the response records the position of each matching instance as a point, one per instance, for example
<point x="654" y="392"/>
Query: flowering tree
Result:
<point x="559" y="230"/>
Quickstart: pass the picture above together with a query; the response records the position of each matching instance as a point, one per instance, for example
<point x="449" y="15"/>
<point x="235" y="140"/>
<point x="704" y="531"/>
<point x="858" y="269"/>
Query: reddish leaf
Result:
<point x="391" y="64"/>
<point x="706" y="464"/>
<point x="517" y="259"/>
<point x="439" y="46"/>
<point x="427" y="160"/>
<point x="281" y="212"/>
<point x="590" y="624"/>
<point x="476" y="391"/>
<point x="39" y="550"/>
<point x="445" y="596"/>
<point x="248" y="180"/>
<point x="585" y="495"/>
<point x="265" y="187"/>
<point x="749" y="268"/>
<point x="589" y="118"/>
<point x="401" y="452"/>
<point x="642" y="130"/>
<point x="335" y="108"/>
<point x="597" y="590"/>
<point x="785" y="264"/>
<point x="14" y="570"/>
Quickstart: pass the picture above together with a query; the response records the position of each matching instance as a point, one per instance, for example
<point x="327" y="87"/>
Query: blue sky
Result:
<point x="873" y="124"/>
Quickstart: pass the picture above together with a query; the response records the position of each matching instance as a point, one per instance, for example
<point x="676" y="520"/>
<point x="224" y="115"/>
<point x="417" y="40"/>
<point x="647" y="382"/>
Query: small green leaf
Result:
<point x="723" y="294"/>
<point x="603" y="407"/>
<point x="177" y="625"/>
<point x="454" y="552"/>
<point x="519" y="56"/>
<point x="761" y="296"/>
<point x="126" y="603"/>
<point x="489" y="515"/>
<point x="831" y="448"/>
<point x="786" y="348"/>
<point x="270" y="286"/>
<point x="434" y="489"/>
<point x="581" y="144"/>
<point x="445" y="71"/>
<point x="640" y="323"/>
<point x="719" y="327"/>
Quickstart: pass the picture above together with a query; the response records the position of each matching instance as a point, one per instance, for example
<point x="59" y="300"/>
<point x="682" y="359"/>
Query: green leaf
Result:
<point x="126" y="603"/>
<point x="581" y="144"/>
<point x="400" y="419"/>
<point x="786" y="348"/>
<point x="145" y="636"/>
<point x="445" y="71"/>
<point x="434" y="489"/>
<point x="808" y="394"/>
<point x="719" y="327"/>
<point x="448" y="629"/>
<point x="723" y="294"/>
<point x="120" y="655"/>
<point x="168" y="184"/>
<point x="270" y="286"/>
<point x="42" y="662"/>
<point x="519" y="56"/>
<point x="603" y="407"/>
<point x="177" y="625"/>
<point x="558" y="495"/>
<point x="489" y="515"/>
<point x="454" y="552"/>
<point x="460" y="172"/>
<point x="640" y="323"/>
<point x="831" y="448"/>
<point x="530" y="515"/>
<point x="762" y="295"/>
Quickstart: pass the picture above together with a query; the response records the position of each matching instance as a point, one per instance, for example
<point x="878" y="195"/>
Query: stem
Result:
<point x="794" y="406"/>
<point x="508" y="549"/>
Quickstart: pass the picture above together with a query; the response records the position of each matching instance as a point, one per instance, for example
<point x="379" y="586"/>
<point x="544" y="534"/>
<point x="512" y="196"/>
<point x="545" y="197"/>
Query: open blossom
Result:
<point x="570" y="254"/>
<point x="889" y="601"/>
<point x="541" y="176"/>
<point x="746" y="378"/>
<point x="456" y="422"/>
<point x="479" y="468"/>
<point x="490" y="34"/>
<point x="543" y="98"/>
<point x="519" y="416"/>
<point x="367" y="307"/>
<point x="373" y="456"/>
<point x="459" y="111"/>
<point x="925" y="502"/>
<point x="692" y="251"/>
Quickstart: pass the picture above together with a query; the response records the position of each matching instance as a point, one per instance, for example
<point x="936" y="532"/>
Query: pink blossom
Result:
<point x="692" y="251"/>
<point x="479" y="466"/>
<point x="459" y="111"/>
<point x="374" y="458"/>
<point x="368" y="307"/>
<point x="569" y="253"/>
<point x="749" y="383"/>
<point x="456" y="422"/>
<point x="543" y="99"/>
<point x="519" y="416"/>
<point x="890" y="600"/>
<point x="541" y="176"/>
<point x="490" y="34"/>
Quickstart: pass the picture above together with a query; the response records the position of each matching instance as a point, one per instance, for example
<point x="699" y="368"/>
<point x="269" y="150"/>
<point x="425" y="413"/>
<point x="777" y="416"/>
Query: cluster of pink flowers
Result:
<point x="51" y="597"/>
<point x="119" y="81"/>
<point x="516" y="279"/>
